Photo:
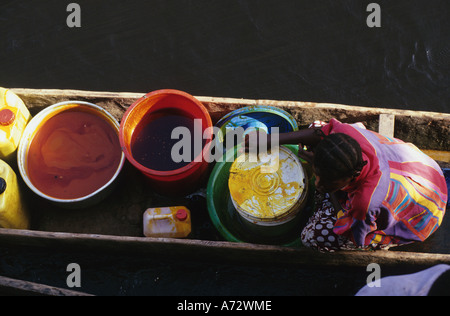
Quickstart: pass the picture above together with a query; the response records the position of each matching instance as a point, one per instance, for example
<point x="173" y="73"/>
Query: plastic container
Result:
<point x="13" y="214"/>
<point x="89" y="137"/>
<point x="232" y="226"/>
<point x="180" y="181"/>
<point x="268" y="195"/>
<point x="256" y="117"/>
<point x="14" y="117"/>
<point x="167" y="222"/>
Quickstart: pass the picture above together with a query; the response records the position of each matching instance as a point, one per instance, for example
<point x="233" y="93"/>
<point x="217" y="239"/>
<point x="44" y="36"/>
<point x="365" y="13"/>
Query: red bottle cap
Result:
<point x="7" y="117"/>
<point x="181" y="215"/>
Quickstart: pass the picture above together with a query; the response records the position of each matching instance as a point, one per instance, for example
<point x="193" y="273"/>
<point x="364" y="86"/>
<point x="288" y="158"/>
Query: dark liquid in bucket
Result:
<point x="152" y="142"/>
<point x="73" y="154"/>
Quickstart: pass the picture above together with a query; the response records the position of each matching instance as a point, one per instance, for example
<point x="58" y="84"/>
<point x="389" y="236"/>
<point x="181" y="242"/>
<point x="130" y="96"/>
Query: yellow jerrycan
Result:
<point x="167" y="222"/>
<point x="14" y="117"/>
<point x="13" y="214"/>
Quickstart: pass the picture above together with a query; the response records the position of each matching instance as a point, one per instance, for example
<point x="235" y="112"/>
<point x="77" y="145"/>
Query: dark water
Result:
<point x="103" y="274"/>
<point x="301" y="50"/>
<point x="320" y="51"/>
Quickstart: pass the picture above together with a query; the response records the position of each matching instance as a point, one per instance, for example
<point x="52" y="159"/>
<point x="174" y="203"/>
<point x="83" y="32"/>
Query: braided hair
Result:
<point x="338" y="156"/>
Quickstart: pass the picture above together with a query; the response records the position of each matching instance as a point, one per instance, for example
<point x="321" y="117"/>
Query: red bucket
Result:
<point x="153" y="117"/>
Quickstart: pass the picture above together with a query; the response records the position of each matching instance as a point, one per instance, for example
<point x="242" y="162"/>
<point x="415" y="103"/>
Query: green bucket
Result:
<point x="227" y="220"/>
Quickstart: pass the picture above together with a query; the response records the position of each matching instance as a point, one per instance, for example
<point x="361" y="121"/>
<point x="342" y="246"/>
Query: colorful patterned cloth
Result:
<point x="400" y="196"/>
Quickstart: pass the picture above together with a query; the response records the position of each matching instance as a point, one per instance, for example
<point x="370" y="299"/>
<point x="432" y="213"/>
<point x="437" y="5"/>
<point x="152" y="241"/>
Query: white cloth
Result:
<point x="417" y="284"/>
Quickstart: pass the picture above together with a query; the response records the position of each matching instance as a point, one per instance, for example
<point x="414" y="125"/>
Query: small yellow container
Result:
<point x="14" y="117"/>
<point x="167" y="222"/>
<point x="268" y="192"/>
<point x="13" y="214"/>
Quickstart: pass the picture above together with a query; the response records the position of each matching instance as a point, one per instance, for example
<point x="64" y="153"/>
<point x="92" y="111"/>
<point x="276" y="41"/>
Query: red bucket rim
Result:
<point x="169" y="173"/>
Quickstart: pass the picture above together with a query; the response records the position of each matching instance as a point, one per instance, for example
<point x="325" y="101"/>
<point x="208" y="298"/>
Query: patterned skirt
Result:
<point x="318" y="233"/>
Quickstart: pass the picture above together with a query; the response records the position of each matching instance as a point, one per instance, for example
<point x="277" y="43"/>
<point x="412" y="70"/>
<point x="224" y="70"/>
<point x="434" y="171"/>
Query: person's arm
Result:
<point x="308" y="137"/>
<point x="336" y="204"/>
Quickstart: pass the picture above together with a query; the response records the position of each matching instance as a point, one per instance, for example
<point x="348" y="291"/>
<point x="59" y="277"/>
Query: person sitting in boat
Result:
<point x="374" y="191"/>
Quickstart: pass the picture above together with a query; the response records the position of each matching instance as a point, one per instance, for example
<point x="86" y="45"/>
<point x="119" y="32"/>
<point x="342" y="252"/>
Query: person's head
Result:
<point x="337" y="162"/>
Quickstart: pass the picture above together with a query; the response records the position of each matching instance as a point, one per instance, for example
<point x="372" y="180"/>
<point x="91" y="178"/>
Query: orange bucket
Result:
<point x="145" y="137"/>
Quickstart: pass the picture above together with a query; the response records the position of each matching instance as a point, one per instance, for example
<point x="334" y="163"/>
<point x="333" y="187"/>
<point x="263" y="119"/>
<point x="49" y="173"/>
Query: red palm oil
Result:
<point x="73" y="154"/>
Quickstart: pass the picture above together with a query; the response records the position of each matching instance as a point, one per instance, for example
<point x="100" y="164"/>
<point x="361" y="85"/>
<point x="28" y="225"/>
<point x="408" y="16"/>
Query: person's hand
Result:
<point x="305" y="154"/>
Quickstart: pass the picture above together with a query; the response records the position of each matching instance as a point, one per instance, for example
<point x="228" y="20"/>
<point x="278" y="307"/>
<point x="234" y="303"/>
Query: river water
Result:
<point x="298" y="50"/>
<point x="320" y="51"/>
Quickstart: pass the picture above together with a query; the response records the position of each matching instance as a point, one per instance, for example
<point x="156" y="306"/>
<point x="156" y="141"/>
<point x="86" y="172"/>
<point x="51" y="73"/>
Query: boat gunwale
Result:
<point x="226" y="100"/>
<point x="409" y="125"/>
<point x="222" y="251"/>
<point x="15" y="287"/>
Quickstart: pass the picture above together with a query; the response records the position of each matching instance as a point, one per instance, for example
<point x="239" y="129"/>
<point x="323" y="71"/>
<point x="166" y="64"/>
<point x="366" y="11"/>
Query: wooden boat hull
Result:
<point x="115" y="225"/>
<point x="13" y="287"/>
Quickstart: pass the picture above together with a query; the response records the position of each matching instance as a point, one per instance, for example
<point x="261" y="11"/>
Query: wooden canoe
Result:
<point x="115" y="224"/>
<point x="14" y="287"/>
